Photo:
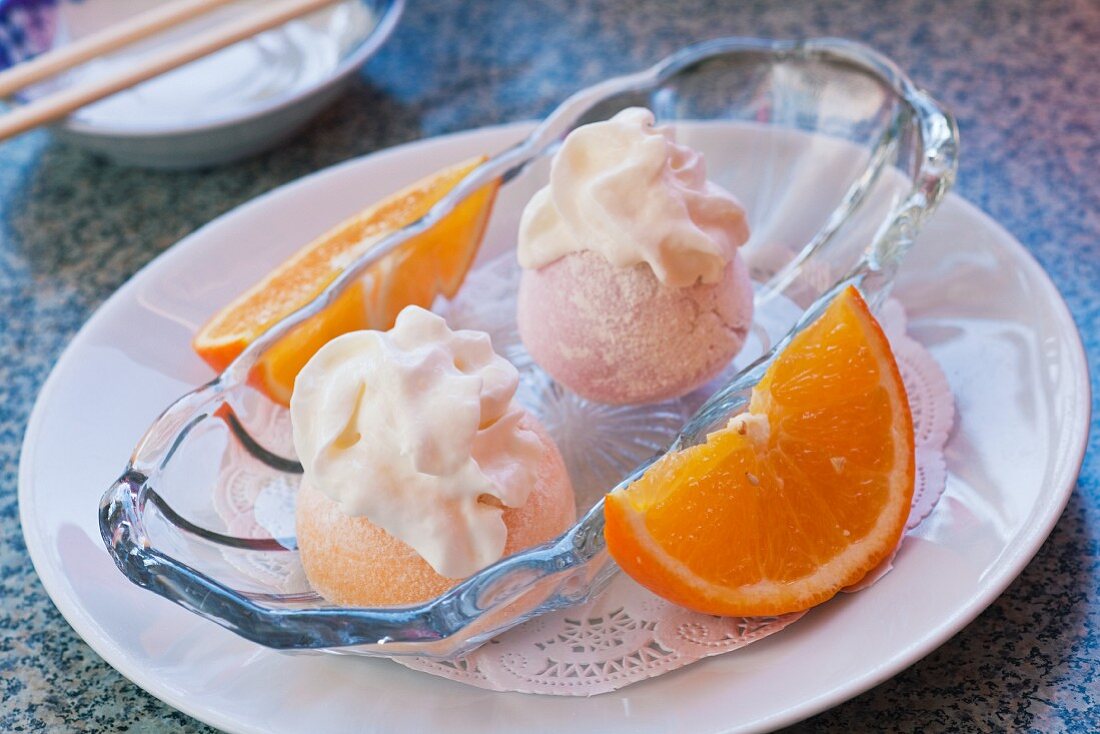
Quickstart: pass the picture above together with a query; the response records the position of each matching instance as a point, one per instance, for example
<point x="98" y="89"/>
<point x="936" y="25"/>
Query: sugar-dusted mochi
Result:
<point x="352" y="562"/>
<point x="619" y="335"/>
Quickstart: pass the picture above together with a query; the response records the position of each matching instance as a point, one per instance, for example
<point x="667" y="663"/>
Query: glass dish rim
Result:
<point x="435" y="628"/>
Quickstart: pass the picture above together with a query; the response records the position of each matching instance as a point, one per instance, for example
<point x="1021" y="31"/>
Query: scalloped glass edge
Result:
<point x="576" y="566"/>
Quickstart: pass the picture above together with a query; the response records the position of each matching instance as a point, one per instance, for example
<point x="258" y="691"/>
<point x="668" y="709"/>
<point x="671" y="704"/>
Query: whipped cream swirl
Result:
<point x="625" y="189"/>
<point x="416" y="430"/>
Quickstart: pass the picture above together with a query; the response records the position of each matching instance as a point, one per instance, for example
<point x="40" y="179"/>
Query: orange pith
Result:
<point x="433" y="263"/>
<point x="791" y="502"/>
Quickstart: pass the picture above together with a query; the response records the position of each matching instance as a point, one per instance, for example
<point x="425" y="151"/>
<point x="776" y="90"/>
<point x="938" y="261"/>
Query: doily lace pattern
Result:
<point x="626" y="635"/>
<point x="932" y="406"/>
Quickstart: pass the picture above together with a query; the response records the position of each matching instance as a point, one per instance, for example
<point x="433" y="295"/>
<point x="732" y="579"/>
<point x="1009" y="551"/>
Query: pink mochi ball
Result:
<point x="619" y="335"/>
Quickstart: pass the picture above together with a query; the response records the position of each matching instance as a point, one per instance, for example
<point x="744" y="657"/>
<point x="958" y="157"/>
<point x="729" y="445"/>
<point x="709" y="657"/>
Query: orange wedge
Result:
<point x="431" y="264"/>
<point x="793" y="500"/>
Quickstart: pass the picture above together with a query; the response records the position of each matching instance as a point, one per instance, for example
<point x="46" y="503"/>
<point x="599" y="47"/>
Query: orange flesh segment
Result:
<point x="791" y="502"/>
<point x="433" y="263"/>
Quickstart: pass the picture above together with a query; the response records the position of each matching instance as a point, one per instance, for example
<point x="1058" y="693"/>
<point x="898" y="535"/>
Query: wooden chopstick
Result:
<point x="57" y="105"/>
<point x="104" y="42"/>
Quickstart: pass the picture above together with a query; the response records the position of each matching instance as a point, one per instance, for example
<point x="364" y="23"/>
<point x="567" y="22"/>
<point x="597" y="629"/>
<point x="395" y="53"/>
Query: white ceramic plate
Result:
<point x="976" y="299"/>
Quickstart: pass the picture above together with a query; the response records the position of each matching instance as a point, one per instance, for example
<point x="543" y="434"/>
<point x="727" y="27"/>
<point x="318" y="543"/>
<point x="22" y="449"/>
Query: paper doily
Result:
<point x="932" y="406"/>
<point x="626" y="634"/>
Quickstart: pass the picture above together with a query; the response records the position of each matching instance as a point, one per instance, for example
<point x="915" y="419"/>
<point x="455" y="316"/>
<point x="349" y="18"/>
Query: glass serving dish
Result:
<point x="838" y="159"/>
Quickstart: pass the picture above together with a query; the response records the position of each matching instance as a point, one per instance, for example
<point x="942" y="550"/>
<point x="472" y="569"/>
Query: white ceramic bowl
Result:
<point x="237" y="102"/>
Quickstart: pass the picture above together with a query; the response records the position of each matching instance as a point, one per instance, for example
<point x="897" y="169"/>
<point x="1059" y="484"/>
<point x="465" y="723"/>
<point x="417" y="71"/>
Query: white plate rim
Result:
<point x="1008" y="571"/>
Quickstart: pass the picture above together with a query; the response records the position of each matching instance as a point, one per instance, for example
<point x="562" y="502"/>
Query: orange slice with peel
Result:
<point x="793" y="500"/>
<point x="433" y="263"/>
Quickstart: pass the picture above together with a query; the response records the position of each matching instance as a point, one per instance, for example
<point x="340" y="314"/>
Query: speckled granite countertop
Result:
<point x="1022" y="76"/>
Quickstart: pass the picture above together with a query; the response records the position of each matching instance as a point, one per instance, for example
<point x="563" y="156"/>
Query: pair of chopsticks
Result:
<point x="57" y="105"/>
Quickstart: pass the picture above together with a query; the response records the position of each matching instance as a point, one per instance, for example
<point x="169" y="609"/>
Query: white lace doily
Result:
<point x="627" y="634"/>
<point x="932" y="405"/>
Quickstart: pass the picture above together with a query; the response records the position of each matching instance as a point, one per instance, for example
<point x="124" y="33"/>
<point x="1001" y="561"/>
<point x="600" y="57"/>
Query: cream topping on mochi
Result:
<point x="625" y="189"/>
<point x="416" y="429"/>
